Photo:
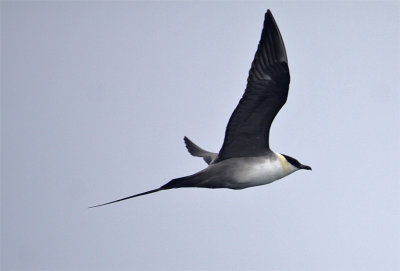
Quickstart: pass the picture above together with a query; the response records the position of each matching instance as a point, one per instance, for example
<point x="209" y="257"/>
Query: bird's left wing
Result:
<point x="247" y="133"/>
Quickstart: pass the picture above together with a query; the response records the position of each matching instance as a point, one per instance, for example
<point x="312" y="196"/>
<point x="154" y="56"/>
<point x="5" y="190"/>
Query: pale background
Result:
<point x="97" y="96"/>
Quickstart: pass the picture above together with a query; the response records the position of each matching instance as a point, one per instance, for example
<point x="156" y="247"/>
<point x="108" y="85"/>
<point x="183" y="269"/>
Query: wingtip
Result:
<point x="269" y="18"/>
<point x="187" y="141"/>
<point x="271" y="27"/>
<point x="268" y="14"/>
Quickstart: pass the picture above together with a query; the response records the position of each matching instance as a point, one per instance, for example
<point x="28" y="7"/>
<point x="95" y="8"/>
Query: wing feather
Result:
<point x="247" y="132"/>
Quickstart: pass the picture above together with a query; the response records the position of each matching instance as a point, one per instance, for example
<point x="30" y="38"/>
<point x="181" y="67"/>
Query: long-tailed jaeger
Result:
<point x="245" y="159"/>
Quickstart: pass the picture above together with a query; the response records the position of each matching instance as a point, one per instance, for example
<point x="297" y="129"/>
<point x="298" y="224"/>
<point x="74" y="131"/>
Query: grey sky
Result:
<point x="97" y="96"/>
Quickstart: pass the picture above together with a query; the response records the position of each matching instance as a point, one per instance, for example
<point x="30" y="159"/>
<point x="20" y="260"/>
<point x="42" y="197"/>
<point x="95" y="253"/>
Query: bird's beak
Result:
<point x="306" y="167"/>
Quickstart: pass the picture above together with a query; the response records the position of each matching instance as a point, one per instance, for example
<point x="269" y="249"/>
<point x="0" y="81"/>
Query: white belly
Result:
<point x="253" y="171"/>
<point x="264" y="172"/>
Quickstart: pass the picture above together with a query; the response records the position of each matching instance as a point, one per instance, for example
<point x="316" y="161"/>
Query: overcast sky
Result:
<point x="97" y="96"/>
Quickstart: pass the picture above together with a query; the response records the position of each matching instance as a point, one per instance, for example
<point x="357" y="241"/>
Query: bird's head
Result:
<point x="296" y="163"/>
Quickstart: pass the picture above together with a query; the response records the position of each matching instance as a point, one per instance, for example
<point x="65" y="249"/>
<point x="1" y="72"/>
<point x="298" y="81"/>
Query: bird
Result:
<point x="245" y="158"/>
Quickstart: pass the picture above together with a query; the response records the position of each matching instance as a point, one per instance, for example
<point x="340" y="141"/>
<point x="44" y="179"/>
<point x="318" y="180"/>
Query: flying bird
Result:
<point x="245" y="158"/>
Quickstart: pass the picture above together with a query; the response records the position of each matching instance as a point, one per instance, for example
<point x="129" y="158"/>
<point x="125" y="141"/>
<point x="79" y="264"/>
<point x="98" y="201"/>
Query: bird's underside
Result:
<point x="245" y="158"/>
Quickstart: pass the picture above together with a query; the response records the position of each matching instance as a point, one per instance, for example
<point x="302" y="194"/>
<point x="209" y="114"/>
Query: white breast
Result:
<point x="259" y="171"/>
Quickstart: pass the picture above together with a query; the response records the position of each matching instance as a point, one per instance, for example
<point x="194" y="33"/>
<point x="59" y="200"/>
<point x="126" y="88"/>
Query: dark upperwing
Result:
<point x="247" y="132"/>
<point x="199" y="152"/>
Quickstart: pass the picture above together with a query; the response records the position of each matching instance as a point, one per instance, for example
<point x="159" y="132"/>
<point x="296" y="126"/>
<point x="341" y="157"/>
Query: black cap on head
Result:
<point x="296" y="163"/>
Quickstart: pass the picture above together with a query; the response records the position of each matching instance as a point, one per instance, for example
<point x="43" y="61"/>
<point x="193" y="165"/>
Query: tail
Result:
<point x="137" y="195"/>
<point x="199" y="152"/>
<point x="194" y="180"/>
<point x="188" y="181"/>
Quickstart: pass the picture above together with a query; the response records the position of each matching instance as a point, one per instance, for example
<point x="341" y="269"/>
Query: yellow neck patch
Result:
<point x="284" y="163"/>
